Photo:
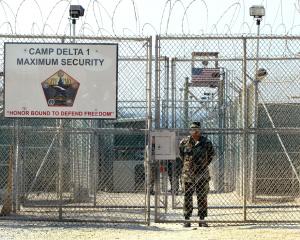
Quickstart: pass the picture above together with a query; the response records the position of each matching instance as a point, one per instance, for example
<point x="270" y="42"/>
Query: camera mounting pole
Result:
<point x="75" y="12"/>
<point x="257" y="12"/>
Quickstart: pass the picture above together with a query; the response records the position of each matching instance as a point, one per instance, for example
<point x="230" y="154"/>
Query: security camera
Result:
<point x="257" y="11"/>
<point x="76" y="11"/>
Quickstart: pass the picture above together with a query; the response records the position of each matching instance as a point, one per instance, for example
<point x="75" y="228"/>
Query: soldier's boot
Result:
<point x="202" y="224"/>
<point x="187" y="224"/>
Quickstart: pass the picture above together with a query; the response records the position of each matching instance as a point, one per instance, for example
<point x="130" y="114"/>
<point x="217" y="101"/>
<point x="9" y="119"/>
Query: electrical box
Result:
<point x="165" y="145"/>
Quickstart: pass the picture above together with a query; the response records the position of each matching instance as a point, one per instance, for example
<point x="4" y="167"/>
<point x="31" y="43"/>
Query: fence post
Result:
<point x="157" y="82"/>
<point x="60" y="168"/>
<point x="149" y="124"/>
<point x="15" y="192"/>
<point x="245" y="128"/>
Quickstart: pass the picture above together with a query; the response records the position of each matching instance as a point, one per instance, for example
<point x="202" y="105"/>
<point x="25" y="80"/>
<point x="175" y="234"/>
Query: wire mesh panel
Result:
<point x="6" y="166"/>
<point x="94" y="170"/>
<point x="87" y="170"/>
<point x="246" y="100"/>
<point x="273" y="105"/>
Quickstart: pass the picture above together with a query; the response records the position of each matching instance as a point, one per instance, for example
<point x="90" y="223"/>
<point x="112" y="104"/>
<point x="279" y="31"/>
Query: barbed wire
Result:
<point x="187" y="8"/>
<point x="101" y="17"/>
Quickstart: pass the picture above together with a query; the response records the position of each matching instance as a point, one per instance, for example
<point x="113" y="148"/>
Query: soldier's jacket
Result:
<point x="196" y="157"/>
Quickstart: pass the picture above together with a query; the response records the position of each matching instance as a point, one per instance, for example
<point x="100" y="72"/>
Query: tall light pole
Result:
<point x="80" y="190"/>
<point x="256" y="11"/>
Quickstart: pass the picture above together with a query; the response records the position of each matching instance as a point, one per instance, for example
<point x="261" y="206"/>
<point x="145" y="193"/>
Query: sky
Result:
<point x="148" y="17"/>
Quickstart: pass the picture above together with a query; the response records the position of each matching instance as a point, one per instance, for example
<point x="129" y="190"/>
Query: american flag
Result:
<point x="205" y="77"/>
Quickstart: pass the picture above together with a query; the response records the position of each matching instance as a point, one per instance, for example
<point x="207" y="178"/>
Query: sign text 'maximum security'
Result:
<point x="63" y="61"/>
<point x="83" y="58"/>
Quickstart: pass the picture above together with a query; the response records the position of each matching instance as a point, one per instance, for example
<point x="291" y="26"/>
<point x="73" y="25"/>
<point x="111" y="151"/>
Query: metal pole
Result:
<point x="15" y="194"/>
<point x="60" y="169"/>
<point x="60" y="154"/>
<point x="167" y="92"/>
<point x="73" y="29"/>
<point x="149" y="123"/>
<point x="221" y="125"/>
<point x="186" y="103"/>
<point x="255" y="120"/>
<point x="173" y="79"/>
<point x="245" y="128"/>
<point x="257" y="47"/>
<point x="157" y="83"/>
<point x="96" y="166"/>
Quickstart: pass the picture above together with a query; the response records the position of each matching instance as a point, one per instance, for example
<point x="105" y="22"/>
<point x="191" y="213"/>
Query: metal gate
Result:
<point x="80" y="170"/>
<point x="94" y="170"/>
<point x="247" y="99"/>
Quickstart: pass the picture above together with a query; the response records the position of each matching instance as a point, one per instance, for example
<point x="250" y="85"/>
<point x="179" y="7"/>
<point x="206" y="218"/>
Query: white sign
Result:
<point x="165" y="146"/>
<point x="61" y="80"/>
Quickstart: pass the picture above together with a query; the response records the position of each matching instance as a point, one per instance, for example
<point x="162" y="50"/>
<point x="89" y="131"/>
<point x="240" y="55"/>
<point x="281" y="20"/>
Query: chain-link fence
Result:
<point x="247" y="99"/>
<point x="86" y="170"/>
<point x="94" y="170"/>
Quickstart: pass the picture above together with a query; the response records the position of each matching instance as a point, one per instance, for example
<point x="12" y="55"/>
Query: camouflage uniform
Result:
<point x="196" y="157"/>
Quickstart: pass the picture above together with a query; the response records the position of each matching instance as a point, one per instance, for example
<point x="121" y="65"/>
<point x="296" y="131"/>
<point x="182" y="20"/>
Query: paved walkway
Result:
<point x="14" y="230"/>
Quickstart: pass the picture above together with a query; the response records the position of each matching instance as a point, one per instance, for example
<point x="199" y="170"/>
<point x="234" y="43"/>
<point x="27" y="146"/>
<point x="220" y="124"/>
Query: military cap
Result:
<point x="195" y="125"/>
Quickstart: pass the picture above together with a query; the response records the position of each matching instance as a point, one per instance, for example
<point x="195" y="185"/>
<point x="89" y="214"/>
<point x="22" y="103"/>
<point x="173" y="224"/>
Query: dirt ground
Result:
<point x="17" y="230"/>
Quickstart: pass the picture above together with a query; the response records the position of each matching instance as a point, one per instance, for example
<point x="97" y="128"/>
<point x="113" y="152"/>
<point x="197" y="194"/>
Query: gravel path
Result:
<point x="13" y="230"/>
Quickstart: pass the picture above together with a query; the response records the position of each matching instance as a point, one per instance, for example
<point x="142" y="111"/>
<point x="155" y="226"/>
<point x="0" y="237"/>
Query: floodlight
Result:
<point x="261" y="74"/>
<point x="257" y="11"/>
<point x="76" y="11"/>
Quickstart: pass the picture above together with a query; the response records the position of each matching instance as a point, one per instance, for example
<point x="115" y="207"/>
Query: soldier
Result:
<point x="196" y="152"/>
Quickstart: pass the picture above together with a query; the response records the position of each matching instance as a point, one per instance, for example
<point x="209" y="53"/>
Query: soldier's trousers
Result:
<point x="201" y="188"/>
